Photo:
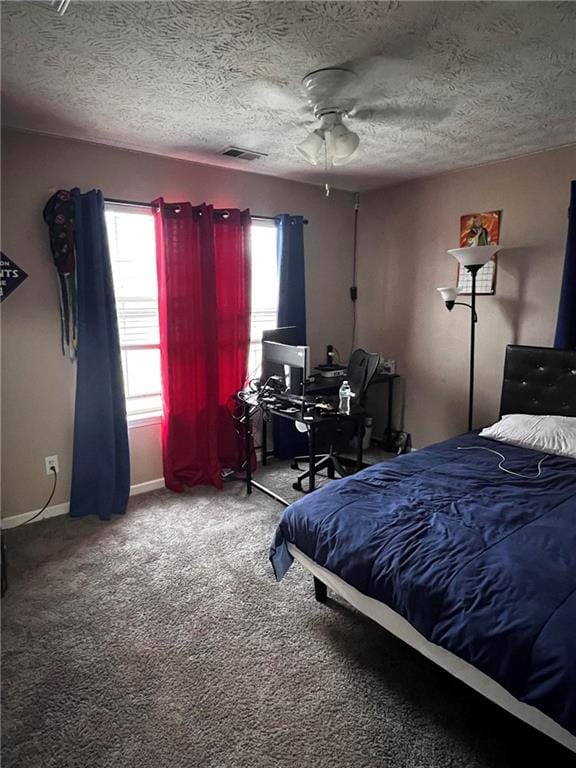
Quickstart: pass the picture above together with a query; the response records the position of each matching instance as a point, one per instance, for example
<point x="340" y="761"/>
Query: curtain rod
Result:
<point x="138" y="204"/>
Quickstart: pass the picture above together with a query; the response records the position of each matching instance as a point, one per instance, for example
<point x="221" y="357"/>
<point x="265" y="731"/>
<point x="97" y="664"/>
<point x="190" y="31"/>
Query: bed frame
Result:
<point x="538" y="381"/>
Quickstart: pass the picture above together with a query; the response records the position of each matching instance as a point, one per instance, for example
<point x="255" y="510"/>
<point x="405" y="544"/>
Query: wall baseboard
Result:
<point x="62" y="509"/>
<point x="14" y="520"/>
<point x="149" y="485"/>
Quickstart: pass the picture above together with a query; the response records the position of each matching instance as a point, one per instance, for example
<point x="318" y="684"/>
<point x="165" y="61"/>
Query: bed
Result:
<point x="473" y="567"/>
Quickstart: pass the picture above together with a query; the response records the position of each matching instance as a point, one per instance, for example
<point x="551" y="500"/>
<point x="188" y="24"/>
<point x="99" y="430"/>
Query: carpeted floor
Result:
<point x="161" y="640"/>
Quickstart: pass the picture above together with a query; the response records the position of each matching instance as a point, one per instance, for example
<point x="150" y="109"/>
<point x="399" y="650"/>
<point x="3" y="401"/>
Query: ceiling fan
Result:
<point x="332" y="141"/>
<point x="352" y="92"/>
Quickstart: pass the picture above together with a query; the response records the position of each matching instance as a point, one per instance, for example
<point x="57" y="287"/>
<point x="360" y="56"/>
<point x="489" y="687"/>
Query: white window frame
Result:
<point x="267" y="316"/>
<point x="152" y="415"/>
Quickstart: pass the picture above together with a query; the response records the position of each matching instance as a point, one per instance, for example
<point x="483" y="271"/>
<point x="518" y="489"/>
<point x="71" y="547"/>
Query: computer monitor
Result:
<point x="285" y="335"/>
<point x="289" y="356"/>
<point x="288" y="334"/>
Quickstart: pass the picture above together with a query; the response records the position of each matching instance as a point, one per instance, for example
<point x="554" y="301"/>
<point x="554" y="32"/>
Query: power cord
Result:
<point x="354" y="287"/>
<point x="503" y="459"/>
<point x="45" y="505"/>
<point x="4" y="567"/>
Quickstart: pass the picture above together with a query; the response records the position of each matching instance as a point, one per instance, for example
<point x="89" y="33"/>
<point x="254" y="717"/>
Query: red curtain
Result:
<point x="203" y="260"/>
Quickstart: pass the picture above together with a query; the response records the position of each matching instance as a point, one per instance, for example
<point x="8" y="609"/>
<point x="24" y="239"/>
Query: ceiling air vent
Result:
<point x="243" y="154"/>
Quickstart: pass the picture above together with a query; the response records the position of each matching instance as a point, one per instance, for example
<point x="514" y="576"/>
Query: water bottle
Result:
<point x="345" y="394"/>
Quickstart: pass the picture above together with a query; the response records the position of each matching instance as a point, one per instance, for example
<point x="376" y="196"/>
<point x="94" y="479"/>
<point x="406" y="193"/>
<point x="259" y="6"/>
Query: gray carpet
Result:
<point x="161" y="640"/>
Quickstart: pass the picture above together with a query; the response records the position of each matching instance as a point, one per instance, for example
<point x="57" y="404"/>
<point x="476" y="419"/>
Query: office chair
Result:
<point x="336" y="435"/>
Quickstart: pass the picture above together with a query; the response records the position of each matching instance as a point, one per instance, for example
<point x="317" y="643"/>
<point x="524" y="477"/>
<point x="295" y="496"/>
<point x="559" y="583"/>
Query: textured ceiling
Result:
<point x="456" y="84"/>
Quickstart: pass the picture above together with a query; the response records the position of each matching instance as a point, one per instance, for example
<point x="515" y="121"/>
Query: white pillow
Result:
<point x="549" y="434"/>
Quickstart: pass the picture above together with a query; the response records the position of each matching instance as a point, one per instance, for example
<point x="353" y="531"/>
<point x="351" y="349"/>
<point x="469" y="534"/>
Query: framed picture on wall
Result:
<point x="479" y="229"/>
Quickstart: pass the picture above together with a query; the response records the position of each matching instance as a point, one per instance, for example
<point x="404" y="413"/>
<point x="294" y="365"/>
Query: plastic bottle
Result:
<point x="345" y="394"/>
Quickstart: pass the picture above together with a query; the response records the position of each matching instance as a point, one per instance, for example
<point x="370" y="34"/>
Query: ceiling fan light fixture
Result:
<point x="333" y="142"/>
<point x="344" y="144"/>
<point x="310" y="149"/>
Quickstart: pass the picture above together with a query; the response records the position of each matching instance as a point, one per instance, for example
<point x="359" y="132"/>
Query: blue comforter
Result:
<point x="481" y="562"/>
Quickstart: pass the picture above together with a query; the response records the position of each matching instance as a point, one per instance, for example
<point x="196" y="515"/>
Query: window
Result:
<point x="264" y="289"/>
<point x="133" y="254"/>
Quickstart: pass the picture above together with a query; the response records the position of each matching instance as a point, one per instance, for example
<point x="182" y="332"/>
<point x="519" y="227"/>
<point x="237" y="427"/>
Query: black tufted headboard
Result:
<point x="539" y="380"/>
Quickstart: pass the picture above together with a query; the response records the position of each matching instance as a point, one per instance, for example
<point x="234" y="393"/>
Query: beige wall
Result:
<point x="37" y="382"/>
<point x="404" y="234"/>
<point x="403" y="237"/>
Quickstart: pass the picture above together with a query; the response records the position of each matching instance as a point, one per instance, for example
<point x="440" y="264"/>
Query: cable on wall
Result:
<point x="4" y="567"/>
<point x="37" y="514"/>
<point x="354" y="287"/>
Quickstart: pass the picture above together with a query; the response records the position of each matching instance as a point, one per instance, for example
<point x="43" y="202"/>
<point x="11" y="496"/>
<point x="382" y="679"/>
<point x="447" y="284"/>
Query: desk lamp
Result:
<point x="473" y="259"/>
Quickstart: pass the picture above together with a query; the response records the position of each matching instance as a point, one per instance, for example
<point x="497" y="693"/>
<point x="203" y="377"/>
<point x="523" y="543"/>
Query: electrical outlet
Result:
<point x="51" y="462"/>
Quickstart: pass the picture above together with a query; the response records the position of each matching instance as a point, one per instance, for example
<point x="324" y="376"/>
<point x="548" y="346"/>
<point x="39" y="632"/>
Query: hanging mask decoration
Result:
<point x="59" y="216"/>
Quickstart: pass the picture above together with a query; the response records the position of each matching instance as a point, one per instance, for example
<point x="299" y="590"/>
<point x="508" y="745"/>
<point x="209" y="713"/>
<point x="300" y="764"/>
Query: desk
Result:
<point x="252" y="405"/>
<point x="327" y="386"/>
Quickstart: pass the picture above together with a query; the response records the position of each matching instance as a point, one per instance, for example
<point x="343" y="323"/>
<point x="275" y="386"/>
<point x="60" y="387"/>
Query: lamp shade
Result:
<point x="343" y="144"/>
<point x="474" y="255"/>
<point x="311" y="146"/>
<point x="448" y="294"/>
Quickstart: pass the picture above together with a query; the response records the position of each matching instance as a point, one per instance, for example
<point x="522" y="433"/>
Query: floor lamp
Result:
<point x="473" y="259"/>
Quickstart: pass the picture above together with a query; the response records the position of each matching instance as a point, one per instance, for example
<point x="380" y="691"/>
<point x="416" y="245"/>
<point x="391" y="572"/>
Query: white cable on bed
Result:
<point x="503" y="459"/>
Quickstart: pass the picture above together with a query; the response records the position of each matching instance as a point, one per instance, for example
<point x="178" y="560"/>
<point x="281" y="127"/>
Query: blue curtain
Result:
<point x="566" y="326"/>
<point x="292" y="296"/>
<point x="101" y="462"/>
<point x="288" y="442"/>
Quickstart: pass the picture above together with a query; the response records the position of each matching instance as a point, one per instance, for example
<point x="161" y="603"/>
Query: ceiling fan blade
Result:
<point x="393" y="114"/>
<point x="305" y="110"/>
<point x="267" y="95"/>
<point x="379" y="75"/>
<point x="307" y="122"/>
